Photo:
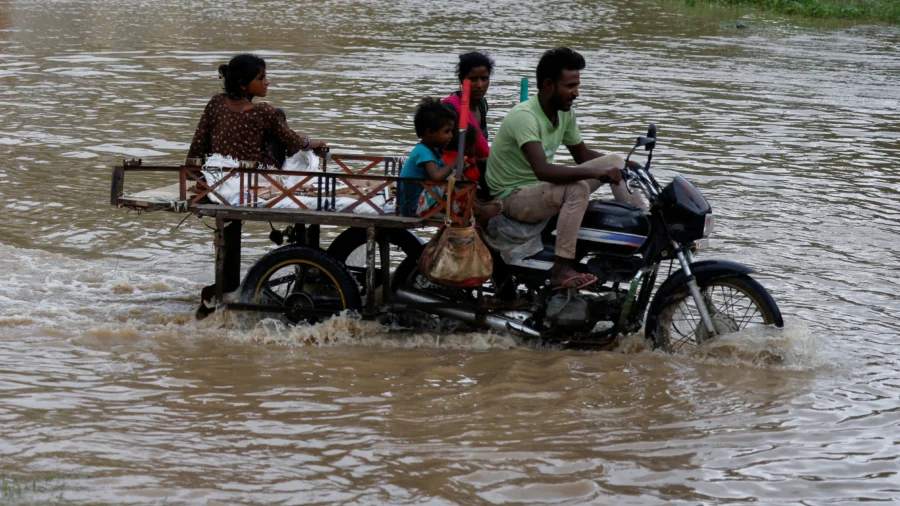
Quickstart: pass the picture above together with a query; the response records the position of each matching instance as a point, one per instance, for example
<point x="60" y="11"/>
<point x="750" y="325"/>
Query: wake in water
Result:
<point x="793" y="347"/>
<point x="57" y="295"/>
<point x="349" y="329"/>
<point x="53" y="291"/>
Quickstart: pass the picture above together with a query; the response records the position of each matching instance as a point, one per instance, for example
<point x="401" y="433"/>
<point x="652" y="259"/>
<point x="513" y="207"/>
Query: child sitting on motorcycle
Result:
<point x="434" y="126"/>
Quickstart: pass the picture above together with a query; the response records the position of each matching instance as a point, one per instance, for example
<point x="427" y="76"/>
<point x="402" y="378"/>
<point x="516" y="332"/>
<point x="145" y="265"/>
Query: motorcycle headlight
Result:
<point x="709" y="225"/>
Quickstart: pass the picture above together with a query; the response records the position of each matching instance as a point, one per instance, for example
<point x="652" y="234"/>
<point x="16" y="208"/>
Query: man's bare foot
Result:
<point x="563" y="275"/>
<point x="484" y="212"/>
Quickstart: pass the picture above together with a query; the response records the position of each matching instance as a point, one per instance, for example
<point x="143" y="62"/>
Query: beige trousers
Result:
<point x="544" y="200"/>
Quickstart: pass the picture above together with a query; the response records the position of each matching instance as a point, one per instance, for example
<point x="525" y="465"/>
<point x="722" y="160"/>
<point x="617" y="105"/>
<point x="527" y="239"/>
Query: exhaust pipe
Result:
<point x="493" y="322"/>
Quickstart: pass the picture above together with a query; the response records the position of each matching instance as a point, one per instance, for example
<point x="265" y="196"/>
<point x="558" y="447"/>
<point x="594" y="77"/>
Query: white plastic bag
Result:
<point x="302" y="161"/>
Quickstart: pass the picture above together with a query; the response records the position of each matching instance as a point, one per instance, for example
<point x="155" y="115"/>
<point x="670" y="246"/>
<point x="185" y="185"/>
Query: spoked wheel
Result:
<point x="305" y="279"/>
<point x="350" y="248"/>
<point x="735" y="303"/>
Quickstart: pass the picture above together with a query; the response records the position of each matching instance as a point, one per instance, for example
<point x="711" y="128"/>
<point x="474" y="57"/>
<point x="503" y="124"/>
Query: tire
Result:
<point x="350" y="249"/>
<point x="327" y="286"/>
<point x="738" y="302"/>
<point x="404" y="272"/>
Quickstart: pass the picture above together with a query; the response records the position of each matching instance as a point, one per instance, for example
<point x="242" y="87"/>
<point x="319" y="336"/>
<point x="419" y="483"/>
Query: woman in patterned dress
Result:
<point x="232" y="125"/>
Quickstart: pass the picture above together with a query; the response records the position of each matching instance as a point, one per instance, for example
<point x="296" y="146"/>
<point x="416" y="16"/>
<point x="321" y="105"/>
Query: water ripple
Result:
<point x="111" y="392"/>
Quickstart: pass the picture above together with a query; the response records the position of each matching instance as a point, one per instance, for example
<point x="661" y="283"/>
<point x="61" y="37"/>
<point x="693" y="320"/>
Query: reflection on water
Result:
<point x="110" y="390"/>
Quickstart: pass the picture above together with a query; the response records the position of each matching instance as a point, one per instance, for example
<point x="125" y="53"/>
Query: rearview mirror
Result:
<point x="648" y="142"/>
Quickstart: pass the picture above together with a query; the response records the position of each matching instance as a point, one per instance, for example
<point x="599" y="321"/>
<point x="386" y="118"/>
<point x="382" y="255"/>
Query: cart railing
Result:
<point x="360" y="184"/>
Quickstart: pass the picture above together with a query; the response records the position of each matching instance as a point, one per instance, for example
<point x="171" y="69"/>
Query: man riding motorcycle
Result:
<point x="521" y="172"/>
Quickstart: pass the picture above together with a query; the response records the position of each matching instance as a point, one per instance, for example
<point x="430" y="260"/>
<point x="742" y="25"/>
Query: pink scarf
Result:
<point x="482" y="148"/>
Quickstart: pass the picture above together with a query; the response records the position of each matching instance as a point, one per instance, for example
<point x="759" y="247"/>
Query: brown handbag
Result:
<point x="456" y="256"/>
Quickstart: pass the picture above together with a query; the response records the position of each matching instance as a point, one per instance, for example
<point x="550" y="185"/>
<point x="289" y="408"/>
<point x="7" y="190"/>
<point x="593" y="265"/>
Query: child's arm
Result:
<point x="436" y="173"/>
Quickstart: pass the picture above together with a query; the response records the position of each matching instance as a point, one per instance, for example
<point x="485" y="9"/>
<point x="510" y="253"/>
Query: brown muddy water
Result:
<point x="111" y="394"/>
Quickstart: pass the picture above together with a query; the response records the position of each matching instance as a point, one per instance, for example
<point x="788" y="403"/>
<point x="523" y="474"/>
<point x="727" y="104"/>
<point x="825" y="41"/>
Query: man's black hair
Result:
<point x="554" y="61"/>
<point x="431" y="115"/>
<point x="469" y="61"/>
<point x="240" y="71"/>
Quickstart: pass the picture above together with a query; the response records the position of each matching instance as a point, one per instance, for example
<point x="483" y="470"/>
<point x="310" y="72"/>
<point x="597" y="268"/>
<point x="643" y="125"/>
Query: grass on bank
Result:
<point x="870" y="10"/>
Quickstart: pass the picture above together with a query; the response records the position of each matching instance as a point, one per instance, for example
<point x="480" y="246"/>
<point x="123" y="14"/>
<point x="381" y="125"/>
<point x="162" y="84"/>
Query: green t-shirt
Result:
<point x="507" y="167"/>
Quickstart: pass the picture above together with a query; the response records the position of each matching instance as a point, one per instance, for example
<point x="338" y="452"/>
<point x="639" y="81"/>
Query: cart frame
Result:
<point x="193" y="196"/>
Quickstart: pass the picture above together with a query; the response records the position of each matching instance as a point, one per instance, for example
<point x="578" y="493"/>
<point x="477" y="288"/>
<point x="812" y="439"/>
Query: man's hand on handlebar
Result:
<point x="612" y="175"/>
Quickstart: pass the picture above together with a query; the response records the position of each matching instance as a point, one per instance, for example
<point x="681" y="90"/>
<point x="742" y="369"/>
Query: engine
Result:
<point x="583" y="310"/>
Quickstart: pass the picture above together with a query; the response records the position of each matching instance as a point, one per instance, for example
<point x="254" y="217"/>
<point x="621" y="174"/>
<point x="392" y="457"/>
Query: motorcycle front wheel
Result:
<point x="735" y="303"/>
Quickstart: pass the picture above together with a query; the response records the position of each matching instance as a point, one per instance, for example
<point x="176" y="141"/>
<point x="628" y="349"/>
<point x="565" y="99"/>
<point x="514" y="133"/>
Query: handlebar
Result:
<point x="640" y="176"/>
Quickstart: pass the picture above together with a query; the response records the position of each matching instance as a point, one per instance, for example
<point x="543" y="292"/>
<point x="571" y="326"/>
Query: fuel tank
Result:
<point x="608" y="228"/>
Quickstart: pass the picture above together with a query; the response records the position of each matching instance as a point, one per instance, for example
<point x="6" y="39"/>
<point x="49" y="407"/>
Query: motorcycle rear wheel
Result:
<point x="408" y="275"/>
<point x="735" y="303"/>
<point x="350" y="249"/>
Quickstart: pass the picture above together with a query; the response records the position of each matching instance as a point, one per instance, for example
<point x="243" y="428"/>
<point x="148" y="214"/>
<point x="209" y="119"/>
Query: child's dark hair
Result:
<point x="554" y="61"/>
<point x="240" y="71"/>
<point x="469" y="61"/>
<point x="431" y="115"/>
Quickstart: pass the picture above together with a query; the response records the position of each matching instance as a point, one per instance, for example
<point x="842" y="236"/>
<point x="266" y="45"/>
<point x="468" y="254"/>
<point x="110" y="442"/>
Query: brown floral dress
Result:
<point x="241" y="135"/>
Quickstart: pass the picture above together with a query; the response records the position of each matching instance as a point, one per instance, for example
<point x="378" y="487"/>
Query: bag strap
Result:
<point x="450" y="183"/>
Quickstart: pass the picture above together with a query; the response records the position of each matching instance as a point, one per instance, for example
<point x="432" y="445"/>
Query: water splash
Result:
<point x="632" y="344"/>
<point x="793" y="347"/>
<point x="51" y="290"/>
<point x="348" y="329"/>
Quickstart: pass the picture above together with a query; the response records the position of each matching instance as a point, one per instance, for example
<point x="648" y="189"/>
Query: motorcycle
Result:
<point x="624" y="247"/>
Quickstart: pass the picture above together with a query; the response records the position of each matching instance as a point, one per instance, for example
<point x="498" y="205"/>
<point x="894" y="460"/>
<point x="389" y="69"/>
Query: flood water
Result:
<point x="110" y="392"/>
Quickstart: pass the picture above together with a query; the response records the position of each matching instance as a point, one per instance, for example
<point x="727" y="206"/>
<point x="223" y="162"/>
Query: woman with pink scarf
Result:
<point x="477" y="68"/>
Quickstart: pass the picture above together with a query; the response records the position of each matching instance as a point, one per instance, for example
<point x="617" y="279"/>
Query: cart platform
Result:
<point x="353" y="194"/>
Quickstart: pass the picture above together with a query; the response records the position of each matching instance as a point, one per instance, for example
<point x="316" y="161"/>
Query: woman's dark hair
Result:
<point x="554" y="61"/>
<point x="242" y="69"/>
<point x="469" y="61"/>
<point x="431" y="115"/>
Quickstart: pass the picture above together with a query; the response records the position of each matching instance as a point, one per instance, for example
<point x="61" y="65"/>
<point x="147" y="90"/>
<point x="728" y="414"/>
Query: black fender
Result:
<point x="704" y="272"/>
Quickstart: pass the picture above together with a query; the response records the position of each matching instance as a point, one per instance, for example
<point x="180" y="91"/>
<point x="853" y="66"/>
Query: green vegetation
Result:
<point x="47" y="490"/>
<point x="10" y="490"/>
<point x="870" y="10"/>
